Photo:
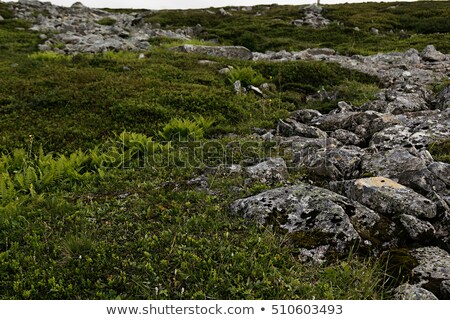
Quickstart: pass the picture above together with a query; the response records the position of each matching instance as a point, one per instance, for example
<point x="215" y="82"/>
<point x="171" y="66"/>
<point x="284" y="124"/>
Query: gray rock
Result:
<point x="237" y="87"/>
<point x="269" y="171"/>
<point x="391" y="164"/>
<point x="305" y="115"/>
<point x="346" y="137"/>
<point x="225" y="13"/>
<point x="291" y="127"/>
<point x="443" y="99"/>
<point x="375" y="31"/>
<point x="1" y="18"/>
<point x="433" y="268"/>
<point x="441" y="170"/>
<point x="413" y="292"/>
<point x="233" y="52"/>
<point x="445" y="289"/>
<point x="431" y="54"/>
<point x="386" y="197"/>
<point x="333" y="163"/>
<point x="314" y="216"/>
<point x="416" y="229"/>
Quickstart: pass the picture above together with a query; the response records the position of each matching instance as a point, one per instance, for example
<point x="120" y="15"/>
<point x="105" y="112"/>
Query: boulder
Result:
<point x="291" y="127"/>
<point x="442" y="100"/>
<point x="417" y="230"/>
<point x="232" y="52"/>
<point x="333" y="163"/>
<point x="269" y="171"/>
<point x="386" y="197"/>
<point x="313" y="216"/>
<point x="433" y="268"/>
<point x="391" y="163"/>
<point x="431" y="54"/>
<point x="305" y="115"/>
<point x="413" y="292"/>
<point x="346" y="137"/>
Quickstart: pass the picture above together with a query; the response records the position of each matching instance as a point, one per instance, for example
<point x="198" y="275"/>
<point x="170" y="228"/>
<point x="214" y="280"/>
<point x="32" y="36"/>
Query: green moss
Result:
<point x="440" y="151"/>
<point x="106" y="21"/>
<point x="399" y="265"/>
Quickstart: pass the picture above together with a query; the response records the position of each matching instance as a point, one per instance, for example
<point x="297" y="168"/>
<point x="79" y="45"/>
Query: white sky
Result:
<point x="183" y="4"/>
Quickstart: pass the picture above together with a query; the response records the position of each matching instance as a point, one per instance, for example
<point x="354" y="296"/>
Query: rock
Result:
<point x="320" y="51"/>
<point x="422" y="181"/>
<point x="305" y="115"/>
<point x="313" y="216"/>
<point x="443" y="99"/>
<point x="223" y="12"/>
<point x="237" y="87"/>
<point x="412" y="292"/>
<point x="233" y="52"/>
<point x="416" y="229"/>
<point x="346" y="137"/>
<point x="1" y="18"/>
<point x="269" y="171"/>
<point x="375" y="31"/>
<point x="224" y="70"/>
<point x="391" y="164"/>
<point x="78" y="5"/>
<point x="445" y="289"/>
<point x="290" y="127"/>
<point x="256" y="90"/>
<point x="431" y="54"/>
<point x="386" y="197"/>
<point x="441" y="170"/>
<point x="333" y="163"/>
<point x="433" y="268"/>
<point x="200" y="182"/>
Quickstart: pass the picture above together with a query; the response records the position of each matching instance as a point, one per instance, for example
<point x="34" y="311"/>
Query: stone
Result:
<point x="225" y="13"/>
<point x="346" y="137"/>
<point x="375" y="31"/>
<point x="441" y="170"/>
<point x="442" y="100"/>
<point x="386" y="197"/>
<point x="1" y="18"/>
<point x="391" y="163"/>
<point x="431" y="54"/>
<point x="413" y="292"/>
<point x="417" y="230"/>
<point x="445" y="289"/>
<point x="291" y="127"/>
<point x="233" y="52"/>
<point x="433" y="268"/>
<point x="334" y="163"/>
<point x="269" y="171"/>
<point x="313" y="216"/>
<point x="305" y="115"/>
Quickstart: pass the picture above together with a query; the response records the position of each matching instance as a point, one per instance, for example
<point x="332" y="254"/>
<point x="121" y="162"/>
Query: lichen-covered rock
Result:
<point x="391" y="163"/>
<point x="413" y="292"/>
<point x="386" y="197"/>
<point x="445" y="289"/>
<point x="334" y="163"/>
<point x="313" y="216"/>
<point x="232" y="52"/>
<point x="291" y="127"/>
<point x="271" y="170"/>
<point x="433" y="268"/>
<point x="441" y="170"/>
<point x="417" y="230"/>
<point x="431" y="54"/>
<point x="443" y="99"/>
<point x="305" y="115"/>
<point x="346" y="137"/>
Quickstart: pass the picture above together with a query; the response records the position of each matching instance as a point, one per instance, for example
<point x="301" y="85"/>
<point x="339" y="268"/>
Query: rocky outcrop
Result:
<point x="231" y="52"/>
<point x="82" y="29"/>
<point x="313" y="18"/>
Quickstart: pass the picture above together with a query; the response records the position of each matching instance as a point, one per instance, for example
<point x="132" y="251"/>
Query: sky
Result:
<point x="185" y="4"/>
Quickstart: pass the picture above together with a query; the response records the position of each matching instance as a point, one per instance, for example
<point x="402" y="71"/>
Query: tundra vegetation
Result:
<point x="91" y="209"/>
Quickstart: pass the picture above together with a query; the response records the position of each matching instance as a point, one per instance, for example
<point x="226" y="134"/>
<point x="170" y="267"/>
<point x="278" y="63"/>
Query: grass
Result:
<point x="83" y="216"/>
